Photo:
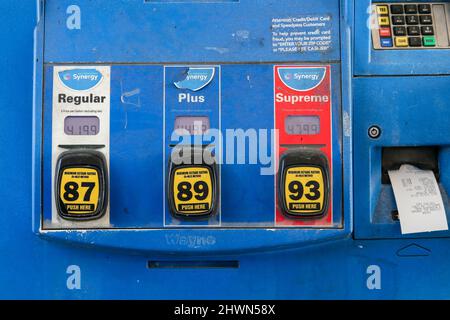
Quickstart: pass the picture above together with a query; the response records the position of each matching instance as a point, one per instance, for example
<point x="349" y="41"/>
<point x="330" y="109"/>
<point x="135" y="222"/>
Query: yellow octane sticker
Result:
<point x="304" y="190"/>
<point x="192" y="190"/>
<point x="79" y="190"/>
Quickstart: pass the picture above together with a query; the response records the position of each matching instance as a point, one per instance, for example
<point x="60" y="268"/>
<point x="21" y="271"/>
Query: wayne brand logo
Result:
<point x="196" y="79"/>
<point x="302" y="79"/>
<point x="80" y="79"/>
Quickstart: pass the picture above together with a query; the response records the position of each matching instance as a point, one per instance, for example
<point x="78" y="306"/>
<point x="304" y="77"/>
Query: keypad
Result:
<point x="405" y="26"/>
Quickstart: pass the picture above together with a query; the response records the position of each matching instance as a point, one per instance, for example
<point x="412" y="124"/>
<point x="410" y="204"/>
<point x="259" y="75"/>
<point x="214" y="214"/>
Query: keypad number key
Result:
<point x="415" y="41"/>
<point x="426" y="19"/>
<point x="424" y="8"/>
<point x="398" y="20"/>
<point x="412" y="20"/>
<point x="397" y="9"/>
<point x="413" y="31"/>
<point x="410" y="8"/>
<point x="427" y="31"/>
<point x="399" y="31"/>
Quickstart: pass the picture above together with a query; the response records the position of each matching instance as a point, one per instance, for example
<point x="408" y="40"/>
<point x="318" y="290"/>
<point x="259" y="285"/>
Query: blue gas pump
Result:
<point x="164" y="146"/>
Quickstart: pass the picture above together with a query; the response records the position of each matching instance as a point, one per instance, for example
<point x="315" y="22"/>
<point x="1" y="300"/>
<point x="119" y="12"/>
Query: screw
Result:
<point x="374" y="132"/>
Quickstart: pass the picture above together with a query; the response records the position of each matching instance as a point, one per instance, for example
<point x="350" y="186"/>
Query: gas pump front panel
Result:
<point x="153" y="123"/>
<point x="229" y="134"/>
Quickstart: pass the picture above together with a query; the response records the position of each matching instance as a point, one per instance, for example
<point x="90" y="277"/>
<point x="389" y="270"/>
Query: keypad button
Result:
<point x="424" y="8"/>
<point x="383" y="21"/>
<point x="415" y="41"/>
<point x="396" y="9"/>
<point x="413" y="31"/>
<point x="382" y="10"/>
<point x="410" y="8"/>
<point x="401" y="41"/>
<point x="429" y="41"/>
<point x="427" y="31"/>
<point x="386" y="42"/>
<point x="426" y="19"/>
<point x="385" y="32"/>
<point x="398" y="20"/>
<point x="412" y="20"/>
<point x="399" y="31"/>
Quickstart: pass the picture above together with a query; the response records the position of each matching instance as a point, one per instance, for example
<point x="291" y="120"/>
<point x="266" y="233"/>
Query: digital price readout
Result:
<point x="304" y="125"/>
<point x="191" y="125"/>
<point x="81" y="125"/>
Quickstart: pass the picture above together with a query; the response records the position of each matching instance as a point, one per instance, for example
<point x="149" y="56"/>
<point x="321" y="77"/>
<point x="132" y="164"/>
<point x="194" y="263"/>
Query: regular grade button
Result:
<point x="401" y="42"/>
<point x="396" y="9"/>
<point x="429" y="41"/>
<point x="424" y="8"/>
<point x="415" y="41"/>
<point x="399" y="31"/>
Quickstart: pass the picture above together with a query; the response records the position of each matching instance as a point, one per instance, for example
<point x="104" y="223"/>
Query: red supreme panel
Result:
<point x="302" y="102"/>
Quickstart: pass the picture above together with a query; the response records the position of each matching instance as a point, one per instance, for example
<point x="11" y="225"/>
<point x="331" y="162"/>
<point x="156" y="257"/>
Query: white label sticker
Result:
<point x="300" y="34"/>
<point x="419" y="200"/>
<point x="81" y="112"/>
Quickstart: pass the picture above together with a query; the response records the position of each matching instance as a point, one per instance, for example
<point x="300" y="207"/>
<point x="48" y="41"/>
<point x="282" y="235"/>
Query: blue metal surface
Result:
<point x="410" y="112"/>
<point x="114" y="264"/>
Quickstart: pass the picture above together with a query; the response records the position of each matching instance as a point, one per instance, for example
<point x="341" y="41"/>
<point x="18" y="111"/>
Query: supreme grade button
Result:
<point x="401" y="41"/>
<point x="429" y="41"/>
<point x="382" y="10"/>
<point x="385" y="32"/>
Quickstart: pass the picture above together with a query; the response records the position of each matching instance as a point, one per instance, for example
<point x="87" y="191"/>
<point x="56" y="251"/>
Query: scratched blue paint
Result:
<point x="325" y="264"/>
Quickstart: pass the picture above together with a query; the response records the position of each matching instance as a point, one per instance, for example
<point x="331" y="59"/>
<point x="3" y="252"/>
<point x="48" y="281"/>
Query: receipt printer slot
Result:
<point x="425" y="158"/>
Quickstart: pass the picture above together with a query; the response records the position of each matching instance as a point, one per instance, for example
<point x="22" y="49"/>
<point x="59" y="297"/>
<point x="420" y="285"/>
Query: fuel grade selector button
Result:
<point x="81" y="185"/>
<point x="304" y="183"/>
<point x="193" y="189"/>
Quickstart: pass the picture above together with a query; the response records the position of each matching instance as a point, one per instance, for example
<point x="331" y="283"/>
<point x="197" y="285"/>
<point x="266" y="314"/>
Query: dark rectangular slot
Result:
<point x="197" y="264"/>
<point x="425" y="158"/>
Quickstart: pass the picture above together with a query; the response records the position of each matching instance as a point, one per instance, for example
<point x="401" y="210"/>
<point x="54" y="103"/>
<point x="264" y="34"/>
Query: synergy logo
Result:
<point x="80" y="79"/>
<point x="302" y="79"/>
<point x="196" y="78"/>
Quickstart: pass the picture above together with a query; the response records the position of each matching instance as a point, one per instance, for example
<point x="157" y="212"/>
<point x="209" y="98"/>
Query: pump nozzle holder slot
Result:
<point x="424" y="158"/>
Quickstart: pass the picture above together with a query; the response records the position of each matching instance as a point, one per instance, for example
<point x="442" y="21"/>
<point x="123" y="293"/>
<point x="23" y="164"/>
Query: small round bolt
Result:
<point x="374" y="132"/>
